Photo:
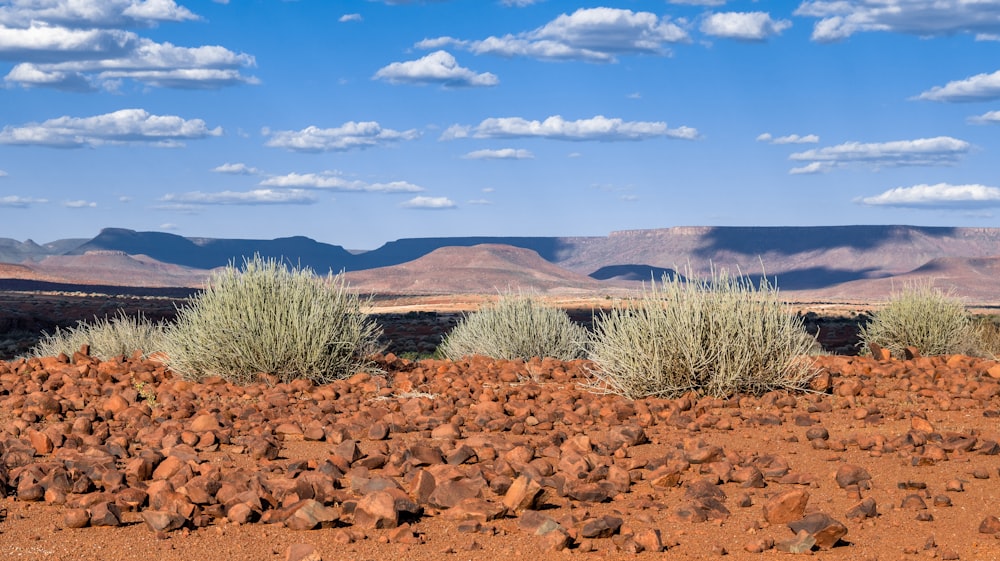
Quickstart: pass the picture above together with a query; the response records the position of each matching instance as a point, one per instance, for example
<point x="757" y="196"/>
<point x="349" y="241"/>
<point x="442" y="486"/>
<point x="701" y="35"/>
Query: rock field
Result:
<point x="481" y="459"/>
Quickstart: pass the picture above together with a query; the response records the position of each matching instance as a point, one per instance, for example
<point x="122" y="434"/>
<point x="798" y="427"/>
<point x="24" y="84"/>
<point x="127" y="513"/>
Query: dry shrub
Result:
<point x="924" y="317"/>
<point x="268" y="319"/>
<point x="719" y="336"/>
<point x="515" y="326"/>
<point x="108" y="337"/>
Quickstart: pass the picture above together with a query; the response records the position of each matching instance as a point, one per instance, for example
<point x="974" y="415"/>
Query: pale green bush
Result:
<point x="516" y="326"/>
<point x="108" y="337"/>
<point x="718" y="337"/>
<point x="987" y="336"/>
<point x="924" y="317"/>
<point x="268" y="319"/>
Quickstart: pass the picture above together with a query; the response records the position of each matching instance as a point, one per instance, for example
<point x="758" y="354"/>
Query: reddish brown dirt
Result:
<point x="238" y="467"/>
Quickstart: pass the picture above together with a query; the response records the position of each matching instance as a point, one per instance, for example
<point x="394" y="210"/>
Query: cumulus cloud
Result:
<point x="168" y="226"/>
<point x="555" y="127"/>
<point x="84" y="45"/>
<point x="501" y="154"/>
<point x="236" y="169"/>
<point x="439" y="67"/>
<point x="349" y="17"/>
<point x="94" y="13"/>
<point x="814" y="167"/>
<point x="589" y="34"/>
<point x="518" y="3"/>
<point x="839" y="19"/>
<point x="3" y="173"/>
<point x="252" y="197"/>
<point x="743" y="26"/>
<point x="479" y="202"/>
<point x="941" y="150"/>
<point x="981" y="87"/>
<point x="941" y="195"/>
<point x="788" y="139"/>
<point x="990" y="117"/>
<point x="120" y="127"/>
<point x="334" y="182"/>
<point x="79" y="204"/>
<point x="17" y="201"/>
<point x="429" y="203"/>
<point x="348" y="136"/>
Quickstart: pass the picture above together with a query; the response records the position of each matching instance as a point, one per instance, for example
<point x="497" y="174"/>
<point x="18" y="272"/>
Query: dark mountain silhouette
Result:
<point x="401" y="251"/>
<point x="640" y="273"/>
<point x="208" y="253"/>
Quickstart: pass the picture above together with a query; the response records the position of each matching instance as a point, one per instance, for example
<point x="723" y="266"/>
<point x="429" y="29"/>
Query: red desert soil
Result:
<point x="483" y="459"/>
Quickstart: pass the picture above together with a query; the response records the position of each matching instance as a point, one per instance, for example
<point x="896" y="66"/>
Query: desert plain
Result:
<point x="882" y="458"/>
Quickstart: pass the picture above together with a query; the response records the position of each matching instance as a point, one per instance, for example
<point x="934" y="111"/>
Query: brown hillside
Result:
<point x="479" y="269"/>
<point x="974" y="279"/>
<point x="119" y="269"/>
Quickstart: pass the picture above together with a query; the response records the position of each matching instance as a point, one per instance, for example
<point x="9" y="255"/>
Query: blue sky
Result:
<point x="361" y="122"/>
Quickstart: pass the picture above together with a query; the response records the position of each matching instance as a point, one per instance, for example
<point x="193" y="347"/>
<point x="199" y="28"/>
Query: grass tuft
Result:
<point x="266" y="318"/>
<point x="924" y="317"/>
<point x="719" y="337"/>
<point x="119" y="335"/>
<point x="515" y="326"/>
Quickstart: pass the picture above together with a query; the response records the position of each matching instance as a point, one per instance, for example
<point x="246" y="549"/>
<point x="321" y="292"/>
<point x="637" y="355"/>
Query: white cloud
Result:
<point x="142" y="60"/>
<point x="839" y="19"/>
<point x="236" y="169"/>
<point x="168" y="226"/>
<point x="348" y="136"/>
<point x="124" y="199"/>
<point x="431" y="203"/>
<point x="744" y="26"/>
<point x="941" y="150"/>
<point x="120" y="127"/>
<point x="332" y="181"/>
<point x="94" y="13"/>
<point x="488" y="189"/>
<point x="555" y="127"/>
<point x="519" y="3"/>
<point x="941" y="195"/>
<point x="699" y="2"/>
<point x="479" y="202"/>
<point x="987" y="37"/>
<point x="349" y="17"/>
<point x="981" y="87"/>
<point x="17" y="201"/>
<point x="501" y="154"/>
<point x="814" y="167"/>
<point x="3" y="173"/>
<point x="80" y="204"/>
<point x="439" y="67"/>
<point x="82" y="45"/>
<point x="590" y="34"/>
<point x="990" y="117"/>
<point x="253" y="197"/>
<point x="788" y="139"/>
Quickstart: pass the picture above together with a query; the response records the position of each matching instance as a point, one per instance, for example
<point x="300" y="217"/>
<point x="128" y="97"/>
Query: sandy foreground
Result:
<point x="484" y="459"/>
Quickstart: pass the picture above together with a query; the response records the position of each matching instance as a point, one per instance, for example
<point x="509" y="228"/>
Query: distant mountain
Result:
<point x="484" y="268"/>
<point x="208" y="253"/>
<point x="804" y="259"/>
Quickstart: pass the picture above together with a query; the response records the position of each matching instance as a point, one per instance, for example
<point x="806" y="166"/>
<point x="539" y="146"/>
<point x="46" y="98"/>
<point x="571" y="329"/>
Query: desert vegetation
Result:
<point x="516" y="326"/>
<point x="925" y="318"/>
<point x="106" y="337"/>
<point x="717" y="336"/>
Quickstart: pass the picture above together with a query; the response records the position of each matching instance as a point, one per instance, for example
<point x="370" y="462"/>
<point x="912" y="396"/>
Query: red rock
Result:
<point x="41" y="442"/>
<point x="864" y="509"/>
<point x="383" y="509"/>
<point x="801" y="543"/>
<point x="990" y="525"/>
<point x="309" y="514"/>
<point x="476" y="509"/>
<point x="105" y="514"/>
<point x="848" y="474"/>
<point x="786" y="507"/>
<point x="302" y="552"/>
<point x="650" y="540"/>
<point x="913" y="502"/>
<point x="76" y="518"/>
<point x="523" y="494"/>
<point x="759" y="546"/>
<point x="447" y="494"/>
<point x="603" y="527"/>
<point x="825" y="530"/>
<point x="203" y="423"/>
<point x="163" y="521"/>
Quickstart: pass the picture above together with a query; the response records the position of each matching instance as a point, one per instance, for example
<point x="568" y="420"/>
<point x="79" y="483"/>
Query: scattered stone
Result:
<point x="786" y="507"/>
<point x="801" y="543"/>
<point x="302" y="552"/>
<point x="848" y="474"/>
<point x="990" y="525"/>
<point x="523" y="494"/>
<point x="603" y="527"/>
<point x="80" y="518"/>
<point x="825" y="530"/>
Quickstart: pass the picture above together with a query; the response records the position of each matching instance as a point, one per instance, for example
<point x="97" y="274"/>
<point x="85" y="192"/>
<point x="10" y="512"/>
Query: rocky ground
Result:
<point x="438" y="460"/>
